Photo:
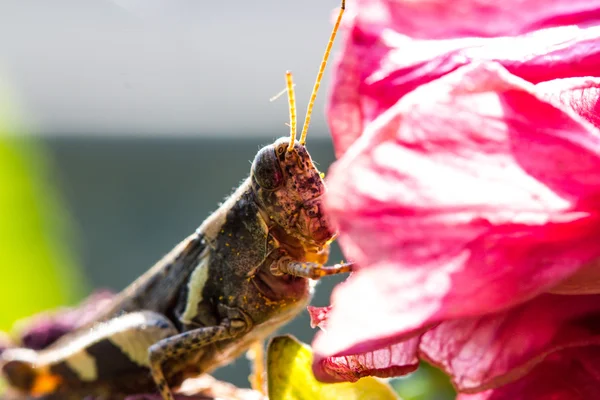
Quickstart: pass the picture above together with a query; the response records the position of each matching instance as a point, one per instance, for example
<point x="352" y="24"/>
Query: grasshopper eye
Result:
<point x="266" y="170"/>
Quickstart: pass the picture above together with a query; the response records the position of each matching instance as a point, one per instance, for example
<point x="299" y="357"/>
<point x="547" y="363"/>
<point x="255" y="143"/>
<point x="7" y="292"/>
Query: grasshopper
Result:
<point x="247" y="270"/>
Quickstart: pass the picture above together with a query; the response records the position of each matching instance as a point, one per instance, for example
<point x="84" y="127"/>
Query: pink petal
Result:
<point x="440" y="19"/>
<point x="318" y="316"/>
<point x="580" y="94"/>
<point x="489" y="351"/>
<point x="378" y="67"/>
<point x="572" y="374"/>
<point x="470" y="195"/>
<point x="394" y="360"/>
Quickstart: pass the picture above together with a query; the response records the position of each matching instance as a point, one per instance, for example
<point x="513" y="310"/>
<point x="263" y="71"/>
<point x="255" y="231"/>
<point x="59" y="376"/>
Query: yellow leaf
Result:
<point x="290" y="377"/>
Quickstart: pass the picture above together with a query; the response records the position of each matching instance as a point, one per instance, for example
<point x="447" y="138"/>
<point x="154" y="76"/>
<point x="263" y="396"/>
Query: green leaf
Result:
<point x="290" y="377"/>
<point x="37" y="269"/>
<point x="426" y="383"/>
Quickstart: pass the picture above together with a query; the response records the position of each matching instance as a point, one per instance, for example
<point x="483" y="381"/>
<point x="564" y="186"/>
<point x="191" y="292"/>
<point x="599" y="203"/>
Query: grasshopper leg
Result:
<point x="87" y="356"/>
<point x="234" y="325"/>
<point x="313" y="270"/>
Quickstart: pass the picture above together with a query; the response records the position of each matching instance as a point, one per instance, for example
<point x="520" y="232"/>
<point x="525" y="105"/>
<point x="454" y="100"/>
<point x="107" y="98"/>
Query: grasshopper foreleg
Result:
<point x="235" y="324"/>
<point x="310" y="269"/>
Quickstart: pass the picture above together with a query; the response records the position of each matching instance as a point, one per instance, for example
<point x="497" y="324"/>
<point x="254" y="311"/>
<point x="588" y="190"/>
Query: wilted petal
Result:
<point x="89" y="309"/>
<point x="394" y="360"/>
<point x="489" y="351"/>
<point x="580" y="94"/>
<point x="379" y="67"/>
<point x="572" y="374"/>
<point x="41" y="330"/>
<point x="469" y="196"/>
<point x="440" y="19"/>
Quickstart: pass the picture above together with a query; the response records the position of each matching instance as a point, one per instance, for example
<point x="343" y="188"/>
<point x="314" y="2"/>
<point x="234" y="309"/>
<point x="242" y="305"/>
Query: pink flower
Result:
<point x="467" y="190"/>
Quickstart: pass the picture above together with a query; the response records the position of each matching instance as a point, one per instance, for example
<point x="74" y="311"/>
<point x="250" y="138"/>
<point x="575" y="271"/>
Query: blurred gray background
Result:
<point x="153" y="109"/>
<point x="162" y="67"/>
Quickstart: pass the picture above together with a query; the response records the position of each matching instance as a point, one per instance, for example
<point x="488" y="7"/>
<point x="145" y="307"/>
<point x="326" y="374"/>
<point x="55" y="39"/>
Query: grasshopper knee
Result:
<point x="19" y="374"/>
<point x="115" y="351"/>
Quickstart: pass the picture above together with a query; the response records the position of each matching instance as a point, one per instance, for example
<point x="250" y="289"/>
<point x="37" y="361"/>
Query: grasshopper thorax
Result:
<point x="289" y="189"/>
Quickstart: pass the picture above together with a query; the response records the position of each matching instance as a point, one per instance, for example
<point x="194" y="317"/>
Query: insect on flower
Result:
<point x="240" y="276"/>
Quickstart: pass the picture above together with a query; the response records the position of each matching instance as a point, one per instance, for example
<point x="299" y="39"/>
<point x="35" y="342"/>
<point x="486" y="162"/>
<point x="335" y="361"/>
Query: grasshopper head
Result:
<point x="289" y="191"/>
<point x="287" y="185"/>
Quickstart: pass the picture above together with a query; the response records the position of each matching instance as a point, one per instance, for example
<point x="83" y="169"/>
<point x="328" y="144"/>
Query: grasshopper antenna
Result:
<point x="292" y="104"/>
<point x="278" y="95"/>
<point x="313" y="96"/>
